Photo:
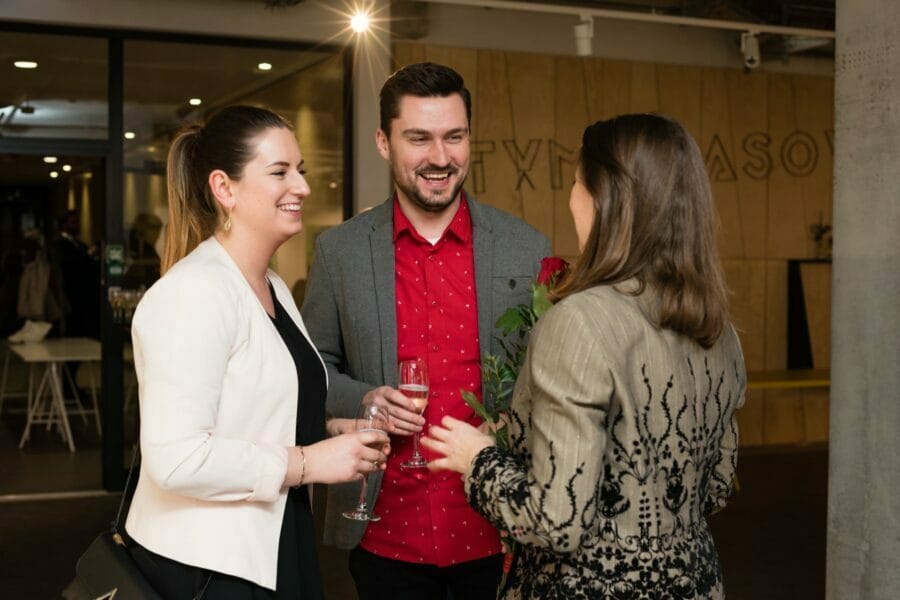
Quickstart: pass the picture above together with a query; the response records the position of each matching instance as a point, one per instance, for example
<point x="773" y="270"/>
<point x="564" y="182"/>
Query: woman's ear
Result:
<point x="221" y="186"/>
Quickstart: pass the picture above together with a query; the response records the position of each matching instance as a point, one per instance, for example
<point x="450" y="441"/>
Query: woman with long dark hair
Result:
<point x="622" y="424"/>
<point x="232" y="392"/>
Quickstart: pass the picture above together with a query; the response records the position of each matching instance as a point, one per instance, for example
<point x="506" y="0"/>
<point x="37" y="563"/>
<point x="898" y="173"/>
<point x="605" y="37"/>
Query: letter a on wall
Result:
<point x="718" y="165"/>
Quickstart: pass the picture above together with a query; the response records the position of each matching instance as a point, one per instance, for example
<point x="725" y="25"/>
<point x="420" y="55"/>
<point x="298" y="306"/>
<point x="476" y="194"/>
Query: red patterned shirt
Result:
<point x="425" y="517"/>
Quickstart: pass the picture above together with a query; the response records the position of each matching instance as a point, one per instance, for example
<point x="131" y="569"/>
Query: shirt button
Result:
<point x="435" y="394"/>
<point x="434" y="347"/>
<point x="431" y="257"/>
<point x="434" y="302"/>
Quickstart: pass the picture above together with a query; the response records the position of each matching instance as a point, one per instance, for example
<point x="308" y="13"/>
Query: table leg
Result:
<point x="90" y="368"/>
<point x="56" y="389"/>
<point x="34" y="402"/>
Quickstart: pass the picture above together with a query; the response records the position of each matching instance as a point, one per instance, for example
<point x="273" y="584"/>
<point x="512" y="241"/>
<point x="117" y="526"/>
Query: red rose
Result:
<point x="552" y="269"/>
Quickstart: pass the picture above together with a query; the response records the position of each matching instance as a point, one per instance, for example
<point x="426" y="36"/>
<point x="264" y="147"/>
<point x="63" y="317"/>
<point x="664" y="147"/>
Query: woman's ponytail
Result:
<point x="192" y="217"/>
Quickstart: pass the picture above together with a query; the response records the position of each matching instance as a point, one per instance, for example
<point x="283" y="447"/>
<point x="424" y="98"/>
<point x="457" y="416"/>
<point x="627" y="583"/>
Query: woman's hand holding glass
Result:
<point x="370" y="419"/>
<point x="458" y="442"/>
<point x="345" y="457"/>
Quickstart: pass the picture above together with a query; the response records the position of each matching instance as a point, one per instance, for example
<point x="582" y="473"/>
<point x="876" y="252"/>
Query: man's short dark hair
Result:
<point x="422" y="80"/>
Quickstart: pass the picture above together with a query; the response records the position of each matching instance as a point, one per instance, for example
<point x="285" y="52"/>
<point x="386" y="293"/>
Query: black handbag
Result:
<point x="106" y="570"/>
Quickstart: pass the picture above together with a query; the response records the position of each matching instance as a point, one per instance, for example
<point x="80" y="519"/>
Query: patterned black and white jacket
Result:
<point x="624" y="439"/>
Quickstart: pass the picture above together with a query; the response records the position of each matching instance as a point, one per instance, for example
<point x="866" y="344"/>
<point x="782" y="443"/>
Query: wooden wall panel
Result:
<point x="531" y="102"/>
<point x="767" y="140"/>
<point x="751" y="159"/>
<point x="716" y="135"/>
<point x="570" y="118"/>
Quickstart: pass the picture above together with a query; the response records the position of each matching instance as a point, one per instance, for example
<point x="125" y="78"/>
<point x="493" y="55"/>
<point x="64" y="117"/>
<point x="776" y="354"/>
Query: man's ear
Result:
<point x="221" y="186"/>
<point x="383" y="144"/>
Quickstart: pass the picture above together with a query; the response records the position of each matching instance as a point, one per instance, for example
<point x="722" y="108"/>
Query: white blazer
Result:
<point x="218" y="397"/>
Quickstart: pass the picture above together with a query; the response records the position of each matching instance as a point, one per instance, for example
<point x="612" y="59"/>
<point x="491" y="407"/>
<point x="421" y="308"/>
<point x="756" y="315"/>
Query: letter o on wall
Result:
<point x="799" y="154"/>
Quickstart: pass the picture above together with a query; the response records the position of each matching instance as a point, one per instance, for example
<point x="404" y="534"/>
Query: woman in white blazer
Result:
<point x="622" y="424"/>
<point x="232" y="392"/>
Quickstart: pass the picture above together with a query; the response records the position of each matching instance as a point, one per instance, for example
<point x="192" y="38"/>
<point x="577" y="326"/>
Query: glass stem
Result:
<point x="363" y="505"/>
<point x="416" y="446"/>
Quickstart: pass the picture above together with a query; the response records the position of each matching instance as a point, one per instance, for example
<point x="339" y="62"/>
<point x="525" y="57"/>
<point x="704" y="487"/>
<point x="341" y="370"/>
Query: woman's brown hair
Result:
<point x="654" y="220"/>
<point x="225" y="142"/>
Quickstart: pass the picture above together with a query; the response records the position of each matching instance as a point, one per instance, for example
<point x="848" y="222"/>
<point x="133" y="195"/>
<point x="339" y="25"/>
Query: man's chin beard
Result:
<point x="429" y="204"/>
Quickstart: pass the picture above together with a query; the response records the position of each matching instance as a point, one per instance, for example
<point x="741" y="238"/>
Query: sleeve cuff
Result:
<point x="273" y="468"/>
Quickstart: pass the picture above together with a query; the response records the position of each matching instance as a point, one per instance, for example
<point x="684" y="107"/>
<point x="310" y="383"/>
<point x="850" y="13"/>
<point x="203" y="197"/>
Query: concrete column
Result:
<point x="372" y="65"/>
<point x="864" y="479"/>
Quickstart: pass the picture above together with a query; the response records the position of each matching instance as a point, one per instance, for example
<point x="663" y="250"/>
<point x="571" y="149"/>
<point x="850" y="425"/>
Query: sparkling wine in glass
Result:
<point x="414" y="385"/>
<point x="368" y="418"/>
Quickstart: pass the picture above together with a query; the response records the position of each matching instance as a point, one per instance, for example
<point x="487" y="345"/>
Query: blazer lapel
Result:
<point x="381" y="242"/>
<point x="484" y="274"/>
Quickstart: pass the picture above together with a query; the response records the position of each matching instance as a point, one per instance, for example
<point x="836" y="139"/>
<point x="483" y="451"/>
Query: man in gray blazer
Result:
<point x="424" y="275"/>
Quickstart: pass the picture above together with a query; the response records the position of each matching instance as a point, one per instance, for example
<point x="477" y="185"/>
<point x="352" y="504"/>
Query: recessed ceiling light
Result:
<point x="54" y="174"/>
<point x="67" y="168"/>
<point x="129" y="135"/>
<point x="25" y="64"/>
<point x="360" y="22"/>
<point x="333" y="185"/>
<point x="50" y="160"/>
<point x="195" y="101"/>
<point x="264" y="66"/>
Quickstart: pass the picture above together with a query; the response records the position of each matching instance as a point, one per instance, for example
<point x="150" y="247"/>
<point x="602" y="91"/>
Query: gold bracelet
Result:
<point x="302" y="467"/>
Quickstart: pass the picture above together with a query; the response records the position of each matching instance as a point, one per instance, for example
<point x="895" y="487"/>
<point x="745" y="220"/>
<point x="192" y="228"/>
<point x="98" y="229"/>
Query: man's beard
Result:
<point x="430" y="203"/>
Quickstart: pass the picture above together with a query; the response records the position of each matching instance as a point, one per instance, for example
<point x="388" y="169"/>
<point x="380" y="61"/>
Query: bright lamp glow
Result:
<point x="53" y="174"/>
<point x="129" y="135"/>
<point x="25" y="64"/>
<point x="264" y="66"/>
<point x="195" y="101"/>
<point x="360" y="22"/>
<point x="67" y="168"/>
<point x="50" y="160"/>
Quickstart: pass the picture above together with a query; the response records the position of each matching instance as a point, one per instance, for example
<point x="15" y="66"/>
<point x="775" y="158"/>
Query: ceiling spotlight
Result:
<point x="195" y="101"/>
<point x="332" y="185"/>
<point x="750" y="50"/>
<point x="50" y="160"/>
<point x="54" y="174"/>
<point x="584" y="35"/>
<point x="129" y="135"/>
<point x="67" y="168"/>
<point x="25" y="64"/>
<point x="264" y="66"/>
<point x="360" y="22"/>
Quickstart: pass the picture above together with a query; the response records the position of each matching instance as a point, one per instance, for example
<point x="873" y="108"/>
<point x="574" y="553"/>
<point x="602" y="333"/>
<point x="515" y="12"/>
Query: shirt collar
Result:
<point x="460" y="226"/>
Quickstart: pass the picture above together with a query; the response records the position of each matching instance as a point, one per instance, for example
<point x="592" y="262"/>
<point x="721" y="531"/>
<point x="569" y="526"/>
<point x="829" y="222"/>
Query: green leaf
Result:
<point x="540" y="300"/>
<point x="473" y="402"/>
<point x="510" y="321"/>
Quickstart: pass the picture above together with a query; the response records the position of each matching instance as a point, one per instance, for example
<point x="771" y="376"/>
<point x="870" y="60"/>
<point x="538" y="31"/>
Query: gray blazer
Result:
<point x="350" y="313"/>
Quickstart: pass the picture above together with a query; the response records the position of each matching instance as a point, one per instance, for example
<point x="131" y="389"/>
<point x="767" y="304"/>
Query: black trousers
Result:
<point x="379" y="578"/>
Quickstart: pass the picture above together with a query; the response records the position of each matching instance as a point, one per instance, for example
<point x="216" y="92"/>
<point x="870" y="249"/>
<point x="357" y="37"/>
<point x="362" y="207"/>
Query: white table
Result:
<point x="55" y="353"/>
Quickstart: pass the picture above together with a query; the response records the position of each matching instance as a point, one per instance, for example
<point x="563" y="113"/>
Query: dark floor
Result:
<point x="771" y="537"/>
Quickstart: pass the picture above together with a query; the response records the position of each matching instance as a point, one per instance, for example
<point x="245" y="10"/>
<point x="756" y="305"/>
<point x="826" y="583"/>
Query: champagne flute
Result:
<point x="414" y="385"/>
<point x="368" y="418"/>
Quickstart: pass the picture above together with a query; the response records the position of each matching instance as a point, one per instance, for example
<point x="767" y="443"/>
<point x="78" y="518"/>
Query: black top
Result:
<point x="298" y="564"/>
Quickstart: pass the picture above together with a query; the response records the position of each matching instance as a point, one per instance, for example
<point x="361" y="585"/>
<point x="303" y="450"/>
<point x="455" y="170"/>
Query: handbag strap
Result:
<point x="117" y="524"/>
